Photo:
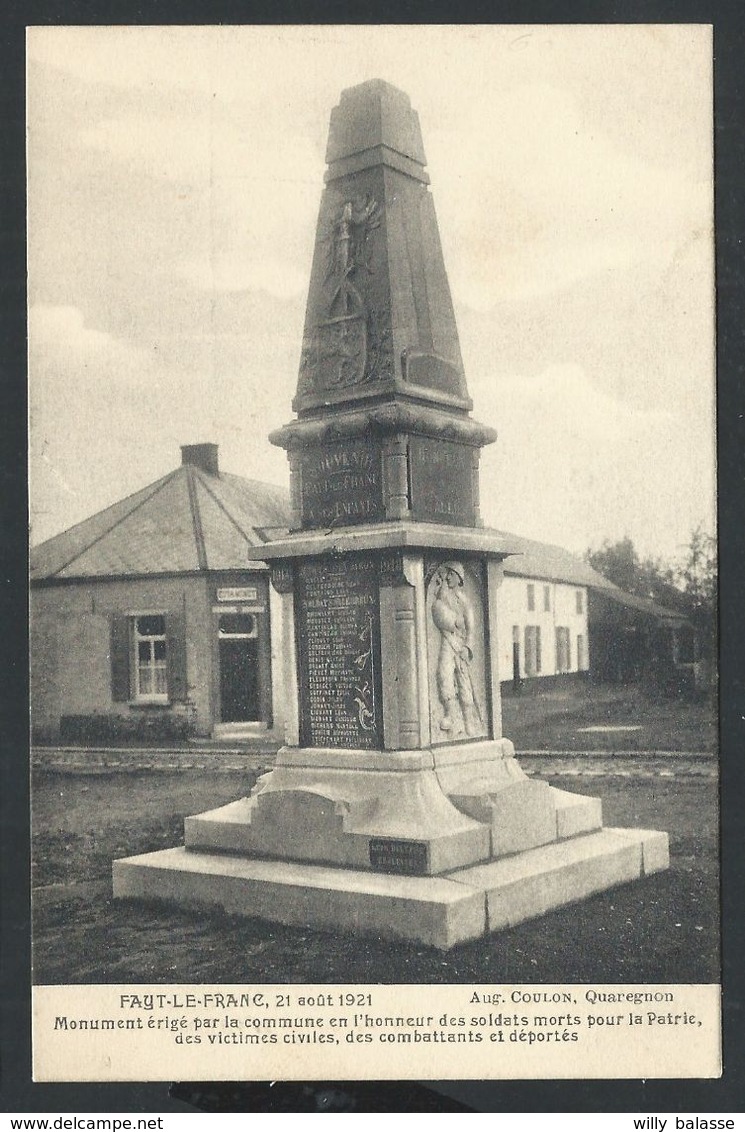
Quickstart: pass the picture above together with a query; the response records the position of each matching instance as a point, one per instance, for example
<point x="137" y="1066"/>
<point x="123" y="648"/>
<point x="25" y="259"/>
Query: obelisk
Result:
<point x="396" y="805"/>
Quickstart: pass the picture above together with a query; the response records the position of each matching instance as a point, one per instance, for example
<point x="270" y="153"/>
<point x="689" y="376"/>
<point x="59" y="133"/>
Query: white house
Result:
<point x="543" y="610"/>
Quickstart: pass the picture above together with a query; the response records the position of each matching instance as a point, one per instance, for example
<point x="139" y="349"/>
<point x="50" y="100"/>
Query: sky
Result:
<point x="174" y="181"/>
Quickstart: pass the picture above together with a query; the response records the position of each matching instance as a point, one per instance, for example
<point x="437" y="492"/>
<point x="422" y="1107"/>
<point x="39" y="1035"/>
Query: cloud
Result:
<point x="132" y="56"/>
<point x="108" y="416"/>
<point x="70" y="361"/>
<point x="255" y="194"/>
<point x="52" y="327"/>
<point x="233" y="272"/>
<point x="175" y="177"/>
<point x="558" y="202"/>
<point x="83" y="383"/>
<point x="565" y="400"/>
<point x="574" y="465"/>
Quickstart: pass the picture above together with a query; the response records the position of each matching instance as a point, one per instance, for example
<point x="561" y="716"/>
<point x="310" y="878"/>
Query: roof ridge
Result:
<point x="254" y="482"/>
<point x="196" y="518"/>
<point x="117" y="503"/>
<point x="157" y="487"/>
<point x="223" y="508"/>
<point x="638" y="599"/>
<point x="555" y="546"/>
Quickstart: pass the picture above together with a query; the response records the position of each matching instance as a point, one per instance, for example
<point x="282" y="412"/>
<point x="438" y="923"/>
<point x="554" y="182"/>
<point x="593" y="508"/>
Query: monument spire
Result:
<point x="379" y="321"/>
<point x="381" y="389"/>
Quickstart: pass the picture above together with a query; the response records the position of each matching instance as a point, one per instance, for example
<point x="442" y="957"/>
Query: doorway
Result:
<point x="239" y="668"/>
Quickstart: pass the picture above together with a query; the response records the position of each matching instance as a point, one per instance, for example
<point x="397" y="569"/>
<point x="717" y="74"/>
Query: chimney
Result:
<point x="202" y="456"/>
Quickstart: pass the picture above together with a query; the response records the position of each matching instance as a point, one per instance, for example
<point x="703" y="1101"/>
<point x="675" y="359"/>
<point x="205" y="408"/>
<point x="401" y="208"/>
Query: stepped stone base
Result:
<point x="324" y="812"/>
<point x="459" y="805"/>
<point x="430" y="846"/>
<point x="440" y="911"/>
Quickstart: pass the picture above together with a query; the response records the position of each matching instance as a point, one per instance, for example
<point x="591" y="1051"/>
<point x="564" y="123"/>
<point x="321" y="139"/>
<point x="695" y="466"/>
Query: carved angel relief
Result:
<point x="349" y="245"/>
<point x="349" y="345"/>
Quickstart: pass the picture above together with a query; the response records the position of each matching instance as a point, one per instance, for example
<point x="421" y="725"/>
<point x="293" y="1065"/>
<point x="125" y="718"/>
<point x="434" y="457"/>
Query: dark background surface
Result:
<point x="17" y="1093"/>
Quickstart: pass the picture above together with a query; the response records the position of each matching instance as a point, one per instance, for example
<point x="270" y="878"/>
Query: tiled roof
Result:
<point x="542" y="560"/>
<point x="644" y="605"/>
<point x="187" y="521"/>
<point x="52" y="557"/>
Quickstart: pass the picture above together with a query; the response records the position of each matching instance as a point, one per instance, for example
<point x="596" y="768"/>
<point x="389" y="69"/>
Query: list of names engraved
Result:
<point x="338" y="653"/>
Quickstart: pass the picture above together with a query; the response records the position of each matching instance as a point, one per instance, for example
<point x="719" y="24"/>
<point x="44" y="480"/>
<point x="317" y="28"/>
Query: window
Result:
<point x="151" y="674"/>
<point x="532" y="650"/>
<point x="581" y="653"/>
<point x="516" y="654"/>
<point x="531" y="596"/>
<point x="563" y="656"/>
<point x="237" y="625"/>
<point x="148" y="657"/>
<point x="580" y="599"/>
<point x="547" y="599"/>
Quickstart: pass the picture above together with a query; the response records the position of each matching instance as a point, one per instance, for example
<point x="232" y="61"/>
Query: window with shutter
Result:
<point x="148" y="658"/>
<point x="532" y="650"/>
<point x="120" y="653"/>
<point x="178" y="688"/>
<point x="563" y="658"/>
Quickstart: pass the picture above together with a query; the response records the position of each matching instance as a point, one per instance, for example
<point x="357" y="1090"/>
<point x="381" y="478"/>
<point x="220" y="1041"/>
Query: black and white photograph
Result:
<point x="373" y="598"/>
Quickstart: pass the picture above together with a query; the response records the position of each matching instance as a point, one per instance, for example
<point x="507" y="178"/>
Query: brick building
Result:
<point x="149" y="612"/>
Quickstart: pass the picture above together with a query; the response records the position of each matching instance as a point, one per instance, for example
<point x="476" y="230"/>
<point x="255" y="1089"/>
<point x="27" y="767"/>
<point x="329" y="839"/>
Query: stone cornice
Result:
<point x="384" y="420"/>
<point x="388" y="537"/>
<point x="370" y="159"/>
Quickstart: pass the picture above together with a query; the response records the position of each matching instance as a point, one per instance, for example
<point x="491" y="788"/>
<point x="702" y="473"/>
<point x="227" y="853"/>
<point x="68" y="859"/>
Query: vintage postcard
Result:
<point x="373" y="559"/>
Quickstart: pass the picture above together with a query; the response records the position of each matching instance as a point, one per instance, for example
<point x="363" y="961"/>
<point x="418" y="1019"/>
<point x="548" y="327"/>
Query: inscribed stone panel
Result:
<point x="338" y="634"/>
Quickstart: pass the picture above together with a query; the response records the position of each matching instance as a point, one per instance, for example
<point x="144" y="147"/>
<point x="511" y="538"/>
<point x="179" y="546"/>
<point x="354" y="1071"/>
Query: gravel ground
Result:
<point x="567" y="719"/>
<point x="661" y="929"/>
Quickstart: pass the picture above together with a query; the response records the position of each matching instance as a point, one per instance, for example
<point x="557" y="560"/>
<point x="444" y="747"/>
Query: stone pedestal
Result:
<point x="418" y="813"/>
<point x="439" y="911"/>
<point x="396" y="807"/>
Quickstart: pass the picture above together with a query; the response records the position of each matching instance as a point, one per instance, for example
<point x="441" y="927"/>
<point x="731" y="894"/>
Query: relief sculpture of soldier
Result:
<point x="453" y="616"/>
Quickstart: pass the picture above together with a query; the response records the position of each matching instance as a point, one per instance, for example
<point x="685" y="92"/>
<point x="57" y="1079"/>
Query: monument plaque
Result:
<point x="407" y="857"/>
<point x="441" y="481"/>
<point x="341" y="484"/>
<point x="338" y="634"/>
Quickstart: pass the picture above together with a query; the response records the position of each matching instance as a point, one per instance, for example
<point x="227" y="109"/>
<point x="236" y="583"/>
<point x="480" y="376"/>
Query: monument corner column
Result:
<point x="495" y="578"/>
<point x="281" y="597"/>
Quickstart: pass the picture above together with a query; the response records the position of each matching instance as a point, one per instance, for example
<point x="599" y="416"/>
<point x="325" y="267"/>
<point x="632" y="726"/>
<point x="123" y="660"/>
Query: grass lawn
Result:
<point x="556" y="720"/>
<point x="662" y="929"/>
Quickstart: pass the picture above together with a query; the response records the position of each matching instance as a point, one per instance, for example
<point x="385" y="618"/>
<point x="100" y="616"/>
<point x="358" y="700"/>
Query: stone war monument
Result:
<point x="396" y="808"/>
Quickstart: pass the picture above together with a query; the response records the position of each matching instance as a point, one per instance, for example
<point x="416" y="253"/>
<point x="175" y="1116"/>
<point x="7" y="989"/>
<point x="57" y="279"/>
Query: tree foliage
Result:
<point x="687" y="586"/>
